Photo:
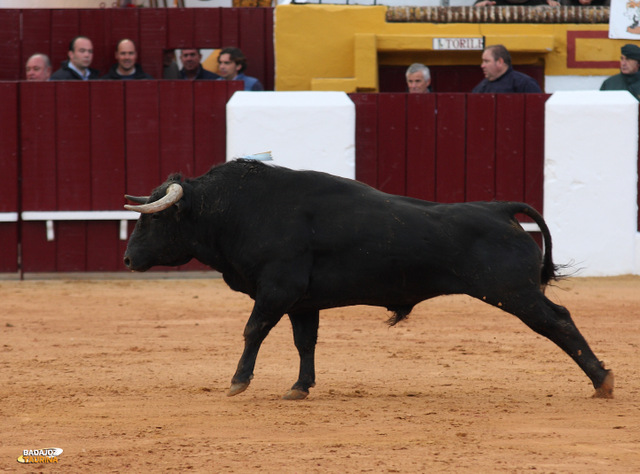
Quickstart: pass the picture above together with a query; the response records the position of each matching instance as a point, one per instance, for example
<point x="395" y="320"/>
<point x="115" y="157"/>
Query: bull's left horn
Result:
<point x="138" y="199"/>
<point x="174" y="193"/>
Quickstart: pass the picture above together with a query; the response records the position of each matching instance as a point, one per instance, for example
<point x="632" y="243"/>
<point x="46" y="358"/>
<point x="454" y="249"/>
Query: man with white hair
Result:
<point x="418" y="78"/>
<point x="38" y="67"/>
<point x="629" y="77"/>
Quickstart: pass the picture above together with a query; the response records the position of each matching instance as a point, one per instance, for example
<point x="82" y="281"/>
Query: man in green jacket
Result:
<point x="629" y="77"/>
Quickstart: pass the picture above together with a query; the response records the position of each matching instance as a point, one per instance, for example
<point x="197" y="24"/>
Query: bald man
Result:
<point x="126" y="68"/>
<point x="38" y="67"/>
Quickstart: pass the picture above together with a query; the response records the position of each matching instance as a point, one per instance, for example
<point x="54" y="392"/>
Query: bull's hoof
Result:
<point x="237" y="388"/>
<point x="295" y="394"/>
<point x="606" y="389"/>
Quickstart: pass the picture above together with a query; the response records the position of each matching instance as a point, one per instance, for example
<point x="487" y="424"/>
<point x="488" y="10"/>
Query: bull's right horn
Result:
<point x="174" y="193"/>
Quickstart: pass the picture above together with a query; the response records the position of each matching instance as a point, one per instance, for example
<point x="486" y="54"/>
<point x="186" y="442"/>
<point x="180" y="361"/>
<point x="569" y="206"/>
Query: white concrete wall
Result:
<point x="303" y="130"/>
<point x="590" y="184"/>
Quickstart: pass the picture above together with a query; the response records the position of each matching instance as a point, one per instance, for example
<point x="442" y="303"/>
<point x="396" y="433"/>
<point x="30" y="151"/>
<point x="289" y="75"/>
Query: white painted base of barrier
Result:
<point x="303" y="130"/>
<point x="591" y="180"/>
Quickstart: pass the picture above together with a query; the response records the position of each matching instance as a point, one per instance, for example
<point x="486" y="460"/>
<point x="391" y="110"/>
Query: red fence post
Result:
<point x="366" y="137"/>
<point x="9" y="155"/>
<point x="39" y="187"/>
<point x="421" y="146"/>
<point x="481" y="147"/>
<point x="450" y="148"/>
<point x="392" y="132"/>
<point x="510" y="125"/>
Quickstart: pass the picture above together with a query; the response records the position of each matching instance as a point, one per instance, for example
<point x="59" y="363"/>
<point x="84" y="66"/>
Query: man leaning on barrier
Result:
<point x="500" y="76"/>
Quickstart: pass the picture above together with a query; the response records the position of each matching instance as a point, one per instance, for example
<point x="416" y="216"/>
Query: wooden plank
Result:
<point x="142" y="137"/>
<point x="9" y="147"/>
<point x="107" y="145"/>
<point x="366" y="137"/>
<point x="73" y="152"/>
<point x="9" y="166"/>
<point x="71" y="248"/>
<point x="38" y="163"/>
<point x="207" y="28"/>
<point x="73" y="145"/>
<point x="153" y="40"/>
<point x="36" y="28"/>
<point x="509" y="147"/>
<point x="421" y="146"/>
<point x="481" y="147"/>
<point x="38" y="254"/>
<point x="210" y="127"/>
<point x="176" y="127"/>
<point x="252" y="27"/>
<point x="38" y="143"/>
<point x="534" y="149"/>
<point x="107" y="173"/>
<point x="103" y="247"/>
<point x="392" y="127"/>
<point x="230" y="34"/>
<point x="450" y="148"/>
<point x="65" y="25"/>
<point x="180" y="28"/>
<point x="10" y="66"/>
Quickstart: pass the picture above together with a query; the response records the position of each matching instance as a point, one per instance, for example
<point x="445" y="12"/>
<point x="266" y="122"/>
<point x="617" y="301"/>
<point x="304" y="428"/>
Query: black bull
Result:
<point x="301" y="241"/>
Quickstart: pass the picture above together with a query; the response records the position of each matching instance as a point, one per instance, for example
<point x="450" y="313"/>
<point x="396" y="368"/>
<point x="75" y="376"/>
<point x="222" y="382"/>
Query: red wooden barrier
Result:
<point x="152" y="29"/>
<point x="81" y="146"/>
<point x="84" y="144"/>
<point x="452" y="147"/>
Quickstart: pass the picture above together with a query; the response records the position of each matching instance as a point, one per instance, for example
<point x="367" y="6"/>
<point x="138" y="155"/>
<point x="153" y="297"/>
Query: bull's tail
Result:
<point x="549" y="270"/>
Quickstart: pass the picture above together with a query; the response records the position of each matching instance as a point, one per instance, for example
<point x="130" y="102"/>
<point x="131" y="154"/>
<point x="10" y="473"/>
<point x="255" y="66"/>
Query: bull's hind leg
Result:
<point x="554" y="322"/>
<point x="305" y="336"/>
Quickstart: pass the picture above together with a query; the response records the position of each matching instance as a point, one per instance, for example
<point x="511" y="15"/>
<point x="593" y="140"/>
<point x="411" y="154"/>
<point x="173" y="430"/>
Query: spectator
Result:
<point x="526" y="3"/>
<point x="126" y="67"/>
<point x="418" y="78"/>
<point x="231" y="66"/>
<point x="629" y="77"/>
<point x="80" y="57"/>
<point x="191" y="67"/>
<point x="38" y="67"/>
<point x="169" y="65"/>
<point x="500" y="76"/>
<point x="586" y="3"/>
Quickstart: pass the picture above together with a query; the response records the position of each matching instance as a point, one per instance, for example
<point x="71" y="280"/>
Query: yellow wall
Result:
<point x="335" y="47"/>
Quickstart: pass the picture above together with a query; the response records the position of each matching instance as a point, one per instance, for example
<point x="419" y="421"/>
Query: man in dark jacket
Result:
<point x="629" y="77"/>
<point x="191" y="67"/>
<point x="500" y="76"/>
<point x="126" y="68"/>
<point x="77" y="67"/>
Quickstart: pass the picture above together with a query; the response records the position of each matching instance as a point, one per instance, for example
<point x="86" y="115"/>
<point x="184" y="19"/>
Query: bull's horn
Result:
<point x="174" y="193"/>
<point x="138" y="199"/>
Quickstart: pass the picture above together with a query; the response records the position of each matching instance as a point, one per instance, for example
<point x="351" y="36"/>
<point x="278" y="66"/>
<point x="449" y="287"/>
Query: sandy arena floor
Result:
<point x="131" y="376"/>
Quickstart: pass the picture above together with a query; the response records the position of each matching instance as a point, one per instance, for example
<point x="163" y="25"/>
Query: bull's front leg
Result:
<point x="255" y="332"/>
<point x="305" y="336"/>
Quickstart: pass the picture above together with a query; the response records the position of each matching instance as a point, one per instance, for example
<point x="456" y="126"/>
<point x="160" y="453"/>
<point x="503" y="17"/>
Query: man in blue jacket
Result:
<point x="500" y="76"/>
<point x="231" y="66"/>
